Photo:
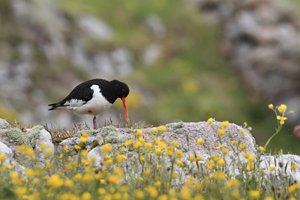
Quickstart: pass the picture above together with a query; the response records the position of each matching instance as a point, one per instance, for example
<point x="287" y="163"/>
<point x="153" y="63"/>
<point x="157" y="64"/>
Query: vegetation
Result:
<point x="141" y="169"/>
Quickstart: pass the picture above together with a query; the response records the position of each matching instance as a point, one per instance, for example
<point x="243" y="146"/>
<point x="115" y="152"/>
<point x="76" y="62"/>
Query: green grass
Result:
<point x="191" y="81"/>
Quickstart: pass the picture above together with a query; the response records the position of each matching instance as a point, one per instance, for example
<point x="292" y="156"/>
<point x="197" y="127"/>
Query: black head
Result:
<point x="120" y="88"/>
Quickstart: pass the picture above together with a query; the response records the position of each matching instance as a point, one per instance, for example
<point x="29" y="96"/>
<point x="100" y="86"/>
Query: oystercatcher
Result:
<point x="93" y="97"/>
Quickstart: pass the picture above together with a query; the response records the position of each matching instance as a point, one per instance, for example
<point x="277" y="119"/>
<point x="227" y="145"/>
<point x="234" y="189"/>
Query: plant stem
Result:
<point x="274" y="134"/>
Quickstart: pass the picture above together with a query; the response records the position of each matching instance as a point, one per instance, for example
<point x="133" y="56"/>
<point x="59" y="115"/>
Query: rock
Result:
<point x="155" y="26"/>
<point x="95" y="27"/>
<point x="151" y="54"/>
<point x="70" y="142"/>
<point x="44" y="143"/>
<point x="6" y="150"/>
<point x="95" y="156"/>
<point x="4" y="124"/>
<point x="283" y="165"/>
<point x="261" y="40"/>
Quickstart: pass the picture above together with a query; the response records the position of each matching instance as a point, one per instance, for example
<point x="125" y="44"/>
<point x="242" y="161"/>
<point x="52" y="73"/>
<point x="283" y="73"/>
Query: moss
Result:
<point x="33" y="134"/>
<point x="110" y="134"/>
<point x="15" y="136"/>
<point x="174" y="126"/>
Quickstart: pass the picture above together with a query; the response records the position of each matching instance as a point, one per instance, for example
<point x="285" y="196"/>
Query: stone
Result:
<point x="4" y="124"/>
<point x="283" y="165"/>
<point x="95" y="27"/>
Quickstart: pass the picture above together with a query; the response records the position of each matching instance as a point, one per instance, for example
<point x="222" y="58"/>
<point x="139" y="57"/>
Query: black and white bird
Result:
<point x="93" y="97"/>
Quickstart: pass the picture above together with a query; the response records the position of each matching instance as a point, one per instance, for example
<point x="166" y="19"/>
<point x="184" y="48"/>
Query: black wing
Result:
<point x="81" y="92"/>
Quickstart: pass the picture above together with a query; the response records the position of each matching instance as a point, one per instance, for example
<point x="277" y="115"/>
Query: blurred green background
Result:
<point x="191" y="81"/>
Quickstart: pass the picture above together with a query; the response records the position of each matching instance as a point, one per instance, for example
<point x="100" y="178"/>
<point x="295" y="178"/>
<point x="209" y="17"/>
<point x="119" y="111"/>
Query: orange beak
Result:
<point x="125" y="109"/>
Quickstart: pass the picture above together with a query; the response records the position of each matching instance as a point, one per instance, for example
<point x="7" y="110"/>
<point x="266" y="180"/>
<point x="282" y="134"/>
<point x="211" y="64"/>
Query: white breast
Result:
<point x="94" y="106"/>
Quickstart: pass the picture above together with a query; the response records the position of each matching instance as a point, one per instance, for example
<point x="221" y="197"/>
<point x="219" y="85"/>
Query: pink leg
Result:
<point x="95" y="122"/>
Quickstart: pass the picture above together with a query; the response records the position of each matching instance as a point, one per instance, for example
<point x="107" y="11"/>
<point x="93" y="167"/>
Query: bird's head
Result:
<point x="122" y="91"/>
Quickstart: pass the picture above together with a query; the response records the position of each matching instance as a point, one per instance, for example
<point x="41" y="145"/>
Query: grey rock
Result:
<point x="4" y="124"/>
<point x="6" y="150"/>
<point x="283" y="165"/>
<point x="151" y="54"/>
<point x="155" y="26"/>
<point x="95" y="27"/>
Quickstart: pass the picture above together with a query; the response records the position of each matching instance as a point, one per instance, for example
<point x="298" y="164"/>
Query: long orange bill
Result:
<point x="125" y="109"/>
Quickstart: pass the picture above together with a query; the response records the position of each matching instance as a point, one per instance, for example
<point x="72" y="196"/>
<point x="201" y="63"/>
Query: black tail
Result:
<point x="54" y="106"/>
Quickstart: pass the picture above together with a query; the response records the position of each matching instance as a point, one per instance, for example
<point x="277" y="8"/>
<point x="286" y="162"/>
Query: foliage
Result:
<point x="141" y="169"/>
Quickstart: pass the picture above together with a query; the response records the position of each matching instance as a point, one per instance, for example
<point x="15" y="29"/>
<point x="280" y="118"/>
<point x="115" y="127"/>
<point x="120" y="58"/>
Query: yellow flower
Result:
<point x="169" y="153"/>
<point x="192" y="158"/>
<point x="120" y="158"/>
<point x="221" y="162"/>
<point x="269" y="198"/>
<point x="158" y="151"/>
<point x="224" y="151"/>
<point x="138" y="132"/>
<point x="162" y="128"/>
<point x="185" y="193"/>
<point x="225" y="124"/>
<point x="294" y="166"/>
<point x="113" y="179"/>
<point x="77" y="147"/>
<point x="261" y="149"/>
<point x="107" y="148"/>
<point x="21" y="191"/>
<point x="242" y="132"/>
<point x="142" y="158"/>
<point x="137" y="145"/>
<point x="158" y="166"/>
<point x="148" y="145"/>
<point x="271" y="106"/>
<point x="55" y="181"/>
<point x="139" y="194"/>
<point x="29" y="173"/>
<point x="254" y="194"/>
<point x="65" y="148"/>
<point x="86" y="196"/>
<point x="69" y="183"/>
<point x="151" y="190"/>
<point x="234" y="142"/>
<point x="83" y="139"/>
<point x="84" y="153"/>
<point x="67" y="196"/>
<point x="179" y="154"/>
<point x="199" y="141"/>
<point x="282" y="108"/>
<point x="198" y="158"/>
<point x="147" y="172"/>
<point x="233" y="183"/>
<point x="175" y="176"/>
<point x="175" y="144"/>
<point x="210" y="120"/>
<point x="163" y="197"/>
<point x="161" y="144"/>
<point x="179" y="163"/>
<point x="154" y="130"/>
<point x="220" y="132"/>
<point x="141" y="140"/>
<point x="128" y="143"/>
<point x="2" y="157"/>
<point x="242" y="146"/>
<point x="293" y="188"/>
<point x="272" y="168"/>
<point x="88" y="177"/>
<point x="281" y="119"/>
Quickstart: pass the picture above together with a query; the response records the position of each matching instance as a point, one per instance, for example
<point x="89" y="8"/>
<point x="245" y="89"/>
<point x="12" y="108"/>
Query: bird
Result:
<point x="93" y="97"/>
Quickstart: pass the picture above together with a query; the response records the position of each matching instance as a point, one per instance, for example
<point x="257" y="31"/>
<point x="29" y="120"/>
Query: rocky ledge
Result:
<point x="196" y="143"/>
